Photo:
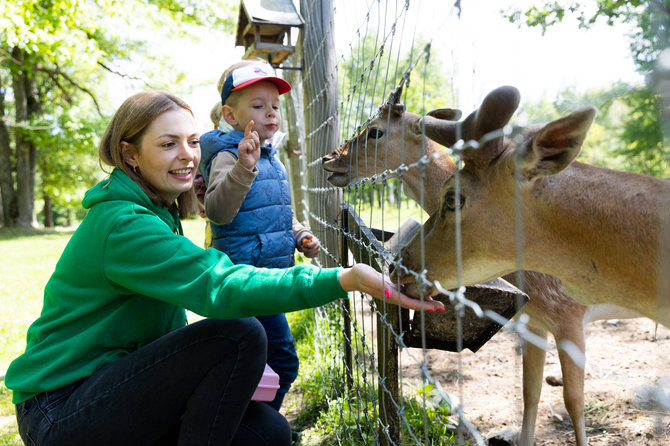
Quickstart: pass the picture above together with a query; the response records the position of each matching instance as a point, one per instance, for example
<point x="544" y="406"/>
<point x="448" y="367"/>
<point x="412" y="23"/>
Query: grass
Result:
<point x="325" y="414"/>
<point x="29" y="257"/>
<point x="389" y="217"/>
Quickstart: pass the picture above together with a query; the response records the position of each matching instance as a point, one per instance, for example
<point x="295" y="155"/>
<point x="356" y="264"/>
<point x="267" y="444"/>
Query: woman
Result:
<point x="111" y="360"/>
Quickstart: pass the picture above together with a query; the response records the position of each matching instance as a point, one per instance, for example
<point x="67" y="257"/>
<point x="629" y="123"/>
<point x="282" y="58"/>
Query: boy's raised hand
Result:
<point x="249" y="148"/>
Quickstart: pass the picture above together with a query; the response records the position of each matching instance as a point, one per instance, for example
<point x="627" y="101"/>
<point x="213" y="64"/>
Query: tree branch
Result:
<point x="54" y="74"/>
<point x="125" y="75"/>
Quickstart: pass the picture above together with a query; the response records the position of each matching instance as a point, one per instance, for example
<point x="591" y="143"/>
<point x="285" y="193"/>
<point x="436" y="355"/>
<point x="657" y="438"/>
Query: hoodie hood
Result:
<point x="120" y="187"/>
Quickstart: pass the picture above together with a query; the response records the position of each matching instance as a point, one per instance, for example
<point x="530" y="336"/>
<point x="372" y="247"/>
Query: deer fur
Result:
<point x="397" y="137"/>
<point x="603" y="233"/>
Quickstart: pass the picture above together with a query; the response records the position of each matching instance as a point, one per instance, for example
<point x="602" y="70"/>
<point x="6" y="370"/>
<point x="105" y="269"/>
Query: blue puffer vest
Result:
<point x="261" y="233"/>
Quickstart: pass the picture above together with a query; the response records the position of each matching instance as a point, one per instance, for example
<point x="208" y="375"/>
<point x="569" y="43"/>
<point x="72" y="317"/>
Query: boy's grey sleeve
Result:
<point x="229" y="183"/>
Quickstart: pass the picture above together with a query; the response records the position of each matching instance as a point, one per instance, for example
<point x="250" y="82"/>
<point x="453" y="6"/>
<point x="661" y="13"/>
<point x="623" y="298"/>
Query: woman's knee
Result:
<point x="262" y="426"/>
<point x="248" y="333"/>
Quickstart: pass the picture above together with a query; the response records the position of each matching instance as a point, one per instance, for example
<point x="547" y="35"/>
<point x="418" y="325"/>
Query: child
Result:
<point x="248" y="201"/>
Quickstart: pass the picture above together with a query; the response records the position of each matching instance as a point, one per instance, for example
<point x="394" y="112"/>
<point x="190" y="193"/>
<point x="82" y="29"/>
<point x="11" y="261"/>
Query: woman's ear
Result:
<point x="228" y="115"/>
<point x="128" y="153"/>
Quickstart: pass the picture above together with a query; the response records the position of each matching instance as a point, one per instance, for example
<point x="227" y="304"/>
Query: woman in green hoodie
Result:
<point x="111" y="359"/>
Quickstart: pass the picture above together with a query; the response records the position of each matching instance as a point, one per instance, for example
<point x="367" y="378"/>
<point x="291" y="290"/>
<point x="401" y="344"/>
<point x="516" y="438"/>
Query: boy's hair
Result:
<point x="129" y="124"/>
<point x="215" y="114"/>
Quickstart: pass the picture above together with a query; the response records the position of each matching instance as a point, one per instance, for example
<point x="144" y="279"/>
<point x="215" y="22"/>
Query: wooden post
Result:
<point x="346" y="303"/>
<point x="321" y="120"/>
<point x="387" y="348"/>
<point x="295" y="149"/>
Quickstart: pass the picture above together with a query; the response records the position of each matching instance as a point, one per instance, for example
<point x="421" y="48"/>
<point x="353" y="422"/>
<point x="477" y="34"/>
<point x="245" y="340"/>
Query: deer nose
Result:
<point x="395" y="274"/>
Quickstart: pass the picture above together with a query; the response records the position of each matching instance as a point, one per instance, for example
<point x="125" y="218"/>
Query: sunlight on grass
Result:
<point x="389" y="217"/>
<point x="194" y="229"/>
<point x="27" y="263"/>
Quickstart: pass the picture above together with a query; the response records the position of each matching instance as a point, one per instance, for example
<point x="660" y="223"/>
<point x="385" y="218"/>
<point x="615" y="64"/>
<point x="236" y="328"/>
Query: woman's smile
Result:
<point x="169" y="153"/>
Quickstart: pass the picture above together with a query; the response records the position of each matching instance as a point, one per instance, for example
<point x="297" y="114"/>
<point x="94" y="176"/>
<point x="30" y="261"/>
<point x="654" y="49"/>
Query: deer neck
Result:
<point x="431" y="179"/>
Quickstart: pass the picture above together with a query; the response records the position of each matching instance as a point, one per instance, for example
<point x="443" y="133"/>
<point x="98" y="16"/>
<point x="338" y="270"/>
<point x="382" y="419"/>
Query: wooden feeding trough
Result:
<point x="264" y="29"/>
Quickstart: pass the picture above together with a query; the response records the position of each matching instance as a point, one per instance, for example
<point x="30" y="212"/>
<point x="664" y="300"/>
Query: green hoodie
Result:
<point x="124" y="280"/>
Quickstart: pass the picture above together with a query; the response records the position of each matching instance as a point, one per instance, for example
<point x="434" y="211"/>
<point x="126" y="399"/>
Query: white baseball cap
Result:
<point x="249" y="75"/>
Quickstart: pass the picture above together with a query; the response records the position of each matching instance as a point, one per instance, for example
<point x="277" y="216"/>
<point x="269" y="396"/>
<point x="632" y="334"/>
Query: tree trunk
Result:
<point x="48" y="215"/>
<point x="25" y="105"/>
<point x="8" y="197"/>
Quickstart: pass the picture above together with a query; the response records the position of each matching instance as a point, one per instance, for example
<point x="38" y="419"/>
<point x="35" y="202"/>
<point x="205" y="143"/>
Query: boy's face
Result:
<point x="258" y="102"/>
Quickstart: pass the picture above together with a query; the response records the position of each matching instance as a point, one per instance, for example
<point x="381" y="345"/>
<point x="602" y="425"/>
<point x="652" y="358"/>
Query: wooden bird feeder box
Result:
<point x="264" y="29"/>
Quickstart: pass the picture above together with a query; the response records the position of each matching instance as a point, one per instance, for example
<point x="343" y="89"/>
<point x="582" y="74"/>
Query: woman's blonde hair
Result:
<point x="129" y="124"/>
<point x="215" y="114"/>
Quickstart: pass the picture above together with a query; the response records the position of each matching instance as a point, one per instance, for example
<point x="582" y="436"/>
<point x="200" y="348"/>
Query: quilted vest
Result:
<point x="261" y="233"/>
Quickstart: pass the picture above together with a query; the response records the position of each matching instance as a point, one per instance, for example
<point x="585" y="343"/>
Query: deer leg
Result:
<point x="533" y="369"/>
<point x="573" y="378"/>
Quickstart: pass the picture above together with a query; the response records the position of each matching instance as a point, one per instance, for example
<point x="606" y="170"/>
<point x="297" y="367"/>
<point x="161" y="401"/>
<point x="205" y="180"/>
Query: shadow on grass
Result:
<point x="13" y="233"/>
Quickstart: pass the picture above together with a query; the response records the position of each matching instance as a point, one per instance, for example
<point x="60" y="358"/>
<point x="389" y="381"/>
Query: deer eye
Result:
<point x="451" y="201"/>
<point x="375" y="133"/>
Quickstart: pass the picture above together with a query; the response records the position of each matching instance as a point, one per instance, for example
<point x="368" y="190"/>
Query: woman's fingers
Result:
<point x="364" y="278"/>
<point x="392" y="295"/>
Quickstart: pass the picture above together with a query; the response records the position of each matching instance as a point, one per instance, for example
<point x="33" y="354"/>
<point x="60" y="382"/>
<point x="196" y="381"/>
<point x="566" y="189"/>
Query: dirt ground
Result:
<point x="627" y="369"/>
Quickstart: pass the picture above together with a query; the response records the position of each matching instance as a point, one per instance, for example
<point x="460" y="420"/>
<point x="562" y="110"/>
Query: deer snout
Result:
<point x="409" y="285"/>
<point x="406" y="277"/>
<point x="339" y="169"/>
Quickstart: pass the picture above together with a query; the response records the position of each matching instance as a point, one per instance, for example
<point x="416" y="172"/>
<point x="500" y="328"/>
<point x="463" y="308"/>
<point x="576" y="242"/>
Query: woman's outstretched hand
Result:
<point x="366" y="279"/>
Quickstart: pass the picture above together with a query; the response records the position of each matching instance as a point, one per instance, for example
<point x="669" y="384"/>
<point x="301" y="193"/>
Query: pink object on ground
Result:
<point x="267" y="388"/>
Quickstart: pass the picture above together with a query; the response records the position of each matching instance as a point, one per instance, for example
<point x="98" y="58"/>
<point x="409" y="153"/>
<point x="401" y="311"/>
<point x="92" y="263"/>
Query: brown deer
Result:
<point x="605" y="234"/>
<point x="396" y="137"/>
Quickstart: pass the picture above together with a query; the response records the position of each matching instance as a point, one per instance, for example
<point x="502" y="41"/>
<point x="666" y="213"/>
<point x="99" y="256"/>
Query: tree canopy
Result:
<point x="640" y="138"/>
<point x="58" y="63"/>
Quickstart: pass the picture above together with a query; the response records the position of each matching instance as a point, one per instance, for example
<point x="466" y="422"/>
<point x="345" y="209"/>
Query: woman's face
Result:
<point x="169" y="152"/>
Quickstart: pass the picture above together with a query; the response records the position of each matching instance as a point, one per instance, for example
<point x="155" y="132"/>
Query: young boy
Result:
<point x="248" y="200"/>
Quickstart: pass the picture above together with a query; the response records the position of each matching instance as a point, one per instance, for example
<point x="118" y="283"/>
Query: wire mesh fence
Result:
<point x="371" y="177"/>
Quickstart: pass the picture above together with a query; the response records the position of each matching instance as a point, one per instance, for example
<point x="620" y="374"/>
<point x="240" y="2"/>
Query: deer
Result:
<point x="605" y="234"/>
<point x="399" y="136"/>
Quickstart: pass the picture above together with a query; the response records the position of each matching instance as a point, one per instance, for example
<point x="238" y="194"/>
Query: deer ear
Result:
<point x="442" y="131"/>
<point x="449" y="114"/>
<point x="496" y="111"/>
<point x="555" y="145"/>
<point x="395" y="110"/>
<point x="398" y="109"/>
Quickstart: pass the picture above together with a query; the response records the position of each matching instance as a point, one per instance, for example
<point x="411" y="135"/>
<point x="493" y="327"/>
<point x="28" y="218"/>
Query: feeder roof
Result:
<point x="282" y="13"/>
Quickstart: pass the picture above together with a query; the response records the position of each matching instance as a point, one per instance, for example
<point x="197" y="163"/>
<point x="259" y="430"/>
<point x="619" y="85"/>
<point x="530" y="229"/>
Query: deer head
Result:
<point x="483" y="201"/>
<point x="393" y="138"/>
